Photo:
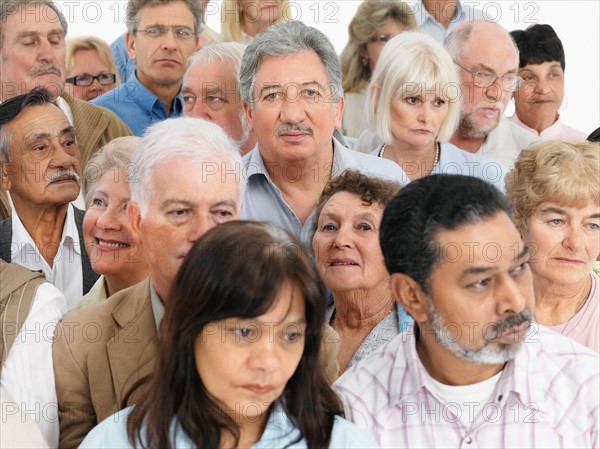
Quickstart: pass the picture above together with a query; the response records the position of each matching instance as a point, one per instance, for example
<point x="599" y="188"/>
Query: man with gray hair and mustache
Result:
<point x="40" y="158"/>
<point x="291" y="84"/>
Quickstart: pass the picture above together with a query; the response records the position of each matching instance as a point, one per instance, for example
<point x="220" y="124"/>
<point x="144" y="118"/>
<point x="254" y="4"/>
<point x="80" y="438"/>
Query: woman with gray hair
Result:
<point x="114" y="248"/>
<point x="374" y="23"/>
<point x="345" y="241"/>
<point x="413" y="107"/>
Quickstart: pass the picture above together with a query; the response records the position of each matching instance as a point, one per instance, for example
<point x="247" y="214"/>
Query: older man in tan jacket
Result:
<point x="180" y="187"/>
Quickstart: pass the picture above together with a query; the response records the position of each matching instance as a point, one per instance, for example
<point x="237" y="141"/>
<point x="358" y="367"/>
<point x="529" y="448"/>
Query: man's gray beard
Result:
<point x="469" y="130"/>
<point x="490" y="354"/>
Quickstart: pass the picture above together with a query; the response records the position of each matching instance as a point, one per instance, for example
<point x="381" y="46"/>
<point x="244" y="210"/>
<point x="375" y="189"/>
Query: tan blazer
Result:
<point x="99" y="353"/>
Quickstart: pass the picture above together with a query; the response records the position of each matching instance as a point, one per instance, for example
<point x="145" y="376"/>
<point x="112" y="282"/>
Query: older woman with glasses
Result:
<point x="413" y="107"/>
<point x="91" y="70"/>
<point x="373" y="25"/>
<point x="554" y="189"/>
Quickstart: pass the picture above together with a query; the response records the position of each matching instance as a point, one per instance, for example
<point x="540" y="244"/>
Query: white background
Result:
<point x="575" y="22"/>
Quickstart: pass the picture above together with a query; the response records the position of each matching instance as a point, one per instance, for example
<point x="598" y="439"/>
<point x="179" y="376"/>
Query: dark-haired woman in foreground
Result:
<point x="238" y="363"/>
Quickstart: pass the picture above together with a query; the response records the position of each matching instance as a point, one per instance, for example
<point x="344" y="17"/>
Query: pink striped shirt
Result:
<point x="548" y="397"/>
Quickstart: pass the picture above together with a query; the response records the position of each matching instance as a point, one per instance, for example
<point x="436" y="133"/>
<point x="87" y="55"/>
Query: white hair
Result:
<point x="199" y="141"/>
<point x="223" y="52"/>
<point x="412" y="64"/>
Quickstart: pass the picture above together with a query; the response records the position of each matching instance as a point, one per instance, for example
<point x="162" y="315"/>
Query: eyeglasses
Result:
<point x="105" y="79"/>
<point x="484" y="78"/>
<point x="382" y="38"/>
<point x="180" y="32"/>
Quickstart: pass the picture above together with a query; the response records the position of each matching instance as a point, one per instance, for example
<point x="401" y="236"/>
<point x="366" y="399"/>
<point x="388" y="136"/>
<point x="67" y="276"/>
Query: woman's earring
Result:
<point x="364" y="61"/>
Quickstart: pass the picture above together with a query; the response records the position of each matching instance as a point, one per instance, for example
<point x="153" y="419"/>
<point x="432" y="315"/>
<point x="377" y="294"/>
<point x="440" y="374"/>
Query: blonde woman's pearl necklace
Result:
<point x="435" y="160"/>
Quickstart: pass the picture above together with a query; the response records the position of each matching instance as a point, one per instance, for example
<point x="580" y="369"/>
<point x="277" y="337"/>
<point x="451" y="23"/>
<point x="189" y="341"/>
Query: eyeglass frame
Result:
<point x="165" y="29"/>
<point x="73" y="79"/>
<point x="474" y="73"/>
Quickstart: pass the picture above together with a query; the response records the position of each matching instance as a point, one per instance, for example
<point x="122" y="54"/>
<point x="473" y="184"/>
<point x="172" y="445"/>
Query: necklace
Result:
<point x="436" y="159"/>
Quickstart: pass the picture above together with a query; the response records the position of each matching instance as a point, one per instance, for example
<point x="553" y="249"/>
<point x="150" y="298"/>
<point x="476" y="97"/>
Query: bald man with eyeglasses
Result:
<point x="487" y="61"/>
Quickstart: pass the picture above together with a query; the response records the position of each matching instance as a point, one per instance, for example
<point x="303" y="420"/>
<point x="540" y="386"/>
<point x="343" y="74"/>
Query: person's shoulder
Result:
<point x="110" y="433"/>
<point x="381" y="365"/>
<point x="346" y="435"/>
<point x="521" y="135"/>
<point x="103" y="311"/>
<point x="565" y="361"/>
<point x="94" y="114"/>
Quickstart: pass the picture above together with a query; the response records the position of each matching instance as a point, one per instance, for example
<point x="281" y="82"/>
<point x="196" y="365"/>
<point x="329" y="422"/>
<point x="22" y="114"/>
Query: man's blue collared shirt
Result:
<point x="137" y="106"/>
<point x="264" y="201"/>
<point x="465" y="11"/>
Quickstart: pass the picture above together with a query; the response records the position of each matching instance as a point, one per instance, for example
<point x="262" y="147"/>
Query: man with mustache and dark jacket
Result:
<point x="39" y="162"/>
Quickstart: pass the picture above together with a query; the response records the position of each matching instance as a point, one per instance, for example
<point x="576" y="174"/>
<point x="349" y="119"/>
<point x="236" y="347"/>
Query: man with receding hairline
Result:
<point x="487" y="61"/>
<point x="39" y="159"/>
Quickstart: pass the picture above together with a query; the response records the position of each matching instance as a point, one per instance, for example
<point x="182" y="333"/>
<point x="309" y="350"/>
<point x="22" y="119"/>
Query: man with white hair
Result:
<point x="487" y="61"/>
<point x="39" y="158"/>
<point x="211" y="91"/>
<point x="180" y="188"/>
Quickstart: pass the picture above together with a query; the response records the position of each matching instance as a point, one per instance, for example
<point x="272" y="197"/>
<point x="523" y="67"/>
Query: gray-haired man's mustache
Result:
<point x="512" y="321"/>
<point x="63" y="175"/>
<point x="283" y="129"/>
<point x="44" y="68"/>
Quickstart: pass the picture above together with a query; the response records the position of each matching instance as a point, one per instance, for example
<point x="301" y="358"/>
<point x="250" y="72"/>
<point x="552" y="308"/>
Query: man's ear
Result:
<point x="130" y="46"/>
<point x="6" y="185"/>
<point x="248" y="111"/>
<point x="375" y="92"/>
<point x="339" y="112"/>
<point x="408" y="293"/>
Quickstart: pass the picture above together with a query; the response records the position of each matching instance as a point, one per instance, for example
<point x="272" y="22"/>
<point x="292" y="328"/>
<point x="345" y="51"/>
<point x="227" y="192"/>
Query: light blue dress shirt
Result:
<point x="263" y="200"/>
<point x="465" y="11"/>
<point x="279" y="432"/>
<point x="137" y="106"/>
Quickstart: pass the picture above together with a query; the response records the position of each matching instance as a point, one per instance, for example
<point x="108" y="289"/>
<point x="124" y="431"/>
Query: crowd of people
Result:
<point x="247" y="240"/>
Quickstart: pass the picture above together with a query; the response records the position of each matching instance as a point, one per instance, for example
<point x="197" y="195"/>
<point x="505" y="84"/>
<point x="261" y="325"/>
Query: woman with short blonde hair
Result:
<point x="244" y="19"/>
<point x="554" y="189"/>
<point x="90" y="67"/>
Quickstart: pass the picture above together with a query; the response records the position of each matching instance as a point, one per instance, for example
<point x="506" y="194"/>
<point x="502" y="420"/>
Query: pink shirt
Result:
<point x="584" y="326"/>
<point x="557" y="131"/>
<point x="547" y="397"/>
